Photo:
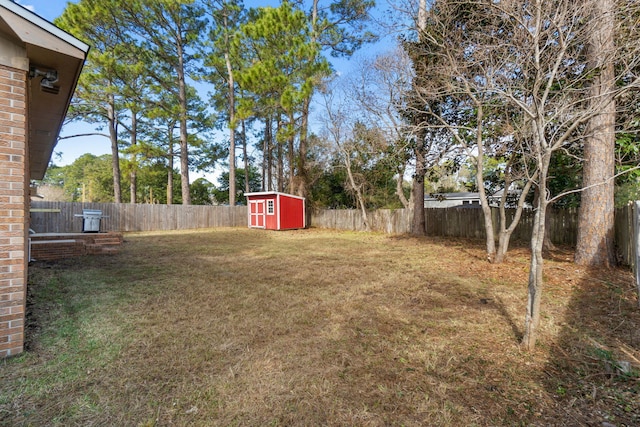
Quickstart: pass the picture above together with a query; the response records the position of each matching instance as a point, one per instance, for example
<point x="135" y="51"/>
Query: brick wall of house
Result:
<point x="14" y="208"/>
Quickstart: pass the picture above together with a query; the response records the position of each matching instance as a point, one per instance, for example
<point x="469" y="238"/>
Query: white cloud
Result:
<point x="27" y="6"/>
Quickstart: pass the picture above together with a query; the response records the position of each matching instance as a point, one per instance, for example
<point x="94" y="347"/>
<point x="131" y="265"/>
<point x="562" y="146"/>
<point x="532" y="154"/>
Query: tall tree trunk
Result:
<point x="245" y="156"/>
<point x="232" y="123"/>
<point x="484" y="203"/>
<point x="302" y="150"/>
<point x="505" y="233"/>
<point x="267" y="157"/>
<point x="595" y="219"/>
<point x="548" y="244"/>
<point x="115" y="151"/>
<point x="133" y="175"/>
<point x="280" y="171"/>
<point x="133" y="185"/>
<point x="486" y="211"/>
<point x="291" y="154"/>
<point x="418" y="223"/>
<point x="357" y="189"/>
<point x="184" y="136"/>
<point x="532" y="319"/>
<point x="400" y="188"/>
<point x="292" y="163"/>
<point x="302" y="178"/>
<point x="422" y="14"/>
<point x="280" y="154"/>
<point x="170" y="173"/>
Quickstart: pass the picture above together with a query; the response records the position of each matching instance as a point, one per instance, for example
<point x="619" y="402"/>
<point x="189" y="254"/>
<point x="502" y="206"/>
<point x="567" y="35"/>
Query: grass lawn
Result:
<point x="313" y="327"/>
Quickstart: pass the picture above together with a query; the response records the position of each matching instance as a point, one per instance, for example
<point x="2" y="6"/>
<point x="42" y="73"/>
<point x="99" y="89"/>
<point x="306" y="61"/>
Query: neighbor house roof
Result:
<point x="451" y="196"/>
<point x="33" y="44"/>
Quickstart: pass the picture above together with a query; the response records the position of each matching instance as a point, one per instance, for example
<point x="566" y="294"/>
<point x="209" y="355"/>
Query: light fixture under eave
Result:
<point x="49" y="78"/>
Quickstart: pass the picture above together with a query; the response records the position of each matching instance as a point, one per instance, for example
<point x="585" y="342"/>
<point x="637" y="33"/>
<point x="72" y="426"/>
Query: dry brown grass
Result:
<point x="245" y="327"/>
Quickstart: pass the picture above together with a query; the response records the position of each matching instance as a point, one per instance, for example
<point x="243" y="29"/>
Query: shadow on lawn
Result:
<point x="516" y="330"/>
<point x="592" y="377"/>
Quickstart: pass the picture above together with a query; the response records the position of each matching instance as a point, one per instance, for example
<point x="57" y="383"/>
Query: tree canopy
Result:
<point x="262" y="67"/>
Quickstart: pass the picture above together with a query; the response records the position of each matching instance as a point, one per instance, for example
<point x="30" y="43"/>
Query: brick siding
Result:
<point x="48" y="250"/>
<point x="14" y="205"/>
<point x="46" y="247"/>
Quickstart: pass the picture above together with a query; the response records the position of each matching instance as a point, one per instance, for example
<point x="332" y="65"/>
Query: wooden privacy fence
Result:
<point x="59" y="217"/>
<point x="452" y="222"/>
<point x="392" y="221"/>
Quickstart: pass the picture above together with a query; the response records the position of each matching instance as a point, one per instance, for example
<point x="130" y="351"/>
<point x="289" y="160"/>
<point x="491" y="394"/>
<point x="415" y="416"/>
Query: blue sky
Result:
<point x="48" y="9"/>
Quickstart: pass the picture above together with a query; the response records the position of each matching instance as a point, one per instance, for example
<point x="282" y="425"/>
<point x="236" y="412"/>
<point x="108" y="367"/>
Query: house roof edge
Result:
<point x="45" y="25"/>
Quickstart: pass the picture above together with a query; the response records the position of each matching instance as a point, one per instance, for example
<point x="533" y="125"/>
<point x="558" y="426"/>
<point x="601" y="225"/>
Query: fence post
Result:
<point x="635" y="239"/>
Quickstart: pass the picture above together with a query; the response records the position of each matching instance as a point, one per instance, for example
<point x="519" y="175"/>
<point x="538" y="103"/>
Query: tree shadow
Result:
<point x="501" y="307"/>
<point x="593" y="372"/>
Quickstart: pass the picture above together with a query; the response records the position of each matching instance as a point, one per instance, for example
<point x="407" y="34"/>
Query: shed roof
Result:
<point x="272" y="193"/>
<point x="27" y="42"/>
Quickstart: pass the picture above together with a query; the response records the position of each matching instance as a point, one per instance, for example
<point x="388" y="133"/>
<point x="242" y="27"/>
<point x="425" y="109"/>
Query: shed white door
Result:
<point x="256" y="214"/>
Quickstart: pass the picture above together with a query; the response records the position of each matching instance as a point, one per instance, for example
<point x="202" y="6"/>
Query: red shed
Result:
<point x="275" y="211"/>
